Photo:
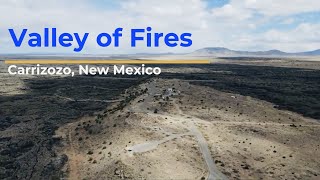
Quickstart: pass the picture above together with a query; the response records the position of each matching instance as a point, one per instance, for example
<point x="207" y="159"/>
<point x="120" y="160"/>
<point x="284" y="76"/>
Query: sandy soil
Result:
<point x="155" y="138"/>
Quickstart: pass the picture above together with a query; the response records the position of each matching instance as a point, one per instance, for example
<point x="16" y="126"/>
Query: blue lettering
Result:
<point x="17" y="42"/>
<point x="100" y="36"/>
<point x="186" y="41"/>
<point x="169" y="38"/>
<point x="134" y="38"/>
<point x="36" y="41"/>
<point x="65" y="37"/>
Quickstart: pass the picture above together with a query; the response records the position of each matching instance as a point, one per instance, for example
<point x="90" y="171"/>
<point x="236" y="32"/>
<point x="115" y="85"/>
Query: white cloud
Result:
<point x="288" y="21"/>
<point x="282" y="7"/>
<point x="231" y="12"/>
<point x="304" y="33"/>
<point x="230" y="26"/>
<point x="303" y="38"/>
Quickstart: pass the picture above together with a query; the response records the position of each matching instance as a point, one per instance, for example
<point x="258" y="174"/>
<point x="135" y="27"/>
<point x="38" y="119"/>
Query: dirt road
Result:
<point x="214" y="173"/>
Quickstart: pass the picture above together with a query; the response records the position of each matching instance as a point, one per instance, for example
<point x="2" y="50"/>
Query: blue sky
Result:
<point x="106" y="4"/>
<point x="216" y="3"/>
<point x="288" y="25"/>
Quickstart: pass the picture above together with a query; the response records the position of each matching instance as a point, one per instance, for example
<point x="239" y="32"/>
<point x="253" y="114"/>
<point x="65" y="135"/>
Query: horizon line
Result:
<point x="113" y="61"/>
<point x="151" y="53"/>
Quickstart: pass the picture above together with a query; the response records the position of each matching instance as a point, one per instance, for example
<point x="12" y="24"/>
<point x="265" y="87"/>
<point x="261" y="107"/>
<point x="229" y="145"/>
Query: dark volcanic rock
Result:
<point x="55" y="165"/>
<point x="32" y="118"/>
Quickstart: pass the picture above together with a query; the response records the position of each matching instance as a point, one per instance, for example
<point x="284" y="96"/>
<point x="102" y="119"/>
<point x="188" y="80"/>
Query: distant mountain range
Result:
<point x="208" y="51"/>
<point x="225" y="52"/>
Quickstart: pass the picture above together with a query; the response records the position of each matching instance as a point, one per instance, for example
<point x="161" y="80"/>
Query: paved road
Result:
<point x="214" y="173"/>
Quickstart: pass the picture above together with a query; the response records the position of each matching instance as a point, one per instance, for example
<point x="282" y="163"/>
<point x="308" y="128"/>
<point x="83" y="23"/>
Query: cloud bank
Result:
<point x="288" y="25"/>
